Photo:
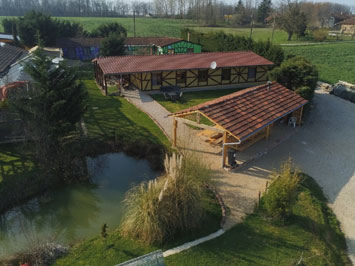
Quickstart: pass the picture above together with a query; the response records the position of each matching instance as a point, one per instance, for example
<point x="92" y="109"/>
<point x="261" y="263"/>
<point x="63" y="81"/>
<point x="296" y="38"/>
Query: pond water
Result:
<point x="75" y="212"/>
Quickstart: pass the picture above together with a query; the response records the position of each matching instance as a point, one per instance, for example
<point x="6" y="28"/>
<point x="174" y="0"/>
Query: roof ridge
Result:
<point x="174" y="55"/>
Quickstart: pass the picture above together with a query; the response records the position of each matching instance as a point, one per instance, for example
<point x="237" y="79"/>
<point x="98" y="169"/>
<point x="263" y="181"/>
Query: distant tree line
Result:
<point x="76" y="8"/>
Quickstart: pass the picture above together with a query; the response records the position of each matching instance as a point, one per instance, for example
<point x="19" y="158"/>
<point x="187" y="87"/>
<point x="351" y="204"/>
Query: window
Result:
<point x="226" y="74"/>
<point x="171" y="51"/>
<point x="156" y="79"/>
<point x="180" y="76"/>
<point x="202" y="75"/>
<point x="190" y="50"/>
<point x="252" y="73"/>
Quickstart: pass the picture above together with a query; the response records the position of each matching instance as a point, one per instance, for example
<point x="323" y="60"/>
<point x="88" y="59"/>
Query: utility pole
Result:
<point x="134" y="23"/>
<point x="251" y="25"/>
<point x="273" y="28"/>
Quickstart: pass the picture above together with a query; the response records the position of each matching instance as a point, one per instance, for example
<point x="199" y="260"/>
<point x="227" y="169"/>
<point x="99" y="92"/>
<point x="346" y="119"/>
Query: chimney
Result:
<point x="268" y="85"/>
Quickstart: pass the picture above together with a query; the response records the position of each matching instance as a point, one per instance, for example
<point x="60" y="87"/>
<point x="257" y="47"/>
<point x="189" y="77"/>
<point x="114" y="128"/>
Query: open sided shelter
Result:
<point x="244" y="117"/>
<point x="185" y="70"/>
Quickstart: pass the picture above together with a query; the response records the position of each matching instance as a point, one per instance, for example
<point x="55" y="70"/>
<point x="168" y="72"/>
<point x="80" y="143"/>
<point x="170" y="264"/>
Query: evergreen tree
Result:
<point x="113" y="46"/>
<point x="105" y="30"/>
<point x="264" y="10"/>
<point x="240" y="7"/>
<point x="50" y="111"/>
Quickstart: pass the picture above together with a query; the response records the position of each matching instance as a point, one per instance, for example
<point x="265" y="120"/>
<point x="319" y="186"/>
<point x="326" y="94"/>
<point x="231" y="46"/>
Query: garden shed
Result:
<point x="218" y="69"/>
<point x="240" y="119"/>
<point x="159" y="45"/>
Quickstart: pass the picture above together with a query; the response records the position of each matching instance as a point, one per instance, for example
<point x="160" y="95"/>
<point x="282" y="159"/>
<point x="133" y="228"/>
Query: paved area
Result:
<point x="323" y="148"/>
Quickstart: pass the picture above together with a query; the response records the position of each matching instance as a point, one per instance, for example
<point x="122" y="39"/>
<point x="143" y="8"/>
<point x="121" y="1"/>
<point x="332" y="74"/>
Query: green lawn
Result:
<point x="191" y="98"/>
<point x="108" y="116"/>
<point x="259" y="34"/>
<point x="334" y="61"/>
<point x="117" y="249"/>
<point x="313" y="232"/>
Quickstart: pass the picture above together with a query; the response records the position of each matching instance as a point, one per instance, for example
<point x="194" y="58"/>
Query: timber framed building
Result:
<point x="148" y="73"/>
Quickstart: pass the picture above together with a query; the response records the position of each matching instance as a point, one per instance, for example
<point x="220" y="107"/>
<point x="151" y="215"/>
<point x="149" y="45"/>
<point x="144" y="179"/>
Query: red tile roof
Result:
<point x="158" y="41"/>
<point x="350" y="21"/>
<point x="245" y="112"/>
<point x="144" y="63"/>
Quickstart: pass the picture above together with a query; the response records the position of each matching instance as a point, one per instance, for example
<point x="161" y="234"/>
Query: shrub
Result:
<point x="297" y="72"/>
<point x="113" y="45"/>
<point x="320" y="35"/>
<point x="280" y="196"/>
<point x="222" y="42"/>
<point x="159" y="209"/>
<point x="306" y="92"/>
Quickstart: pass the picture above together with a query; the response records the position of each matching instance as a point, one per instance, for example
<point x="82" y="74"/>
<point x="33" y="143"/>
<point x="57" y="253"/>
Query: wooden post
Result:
<point x="198" y="117"/>
<point x="105" y="85"/>
<point x="268" y="131"/>
<point x="299" y="120"/>
<point x="175" y="124"/>
<point x="225" y="149"/>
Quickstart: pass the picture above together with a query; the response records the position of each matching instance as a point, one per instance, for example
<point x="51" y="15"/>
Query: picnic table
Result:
<point x="171" y="92"/>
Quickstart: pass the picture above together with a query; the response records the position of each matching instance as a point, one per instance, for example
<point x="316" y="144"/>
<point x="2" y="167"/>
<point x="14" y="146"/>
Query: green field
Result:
<point x="144" y="26"/>
<point x="334" y="61"/>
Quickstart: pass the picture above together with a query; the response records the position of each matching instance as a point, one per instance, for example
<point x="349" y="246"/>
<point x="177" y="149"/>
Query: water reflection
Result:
<point x="75" y="212"/>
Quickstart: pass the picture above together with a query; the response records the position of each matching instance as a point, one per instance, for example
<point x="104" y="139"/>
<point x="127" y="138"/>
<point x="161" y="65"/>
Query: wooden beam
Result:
<point x="195" y="124"/>
<point x="225" y="148"/>
<point x="299" y="119"/>
<point x="268" y="129"/>
<point x="175" y="124"/>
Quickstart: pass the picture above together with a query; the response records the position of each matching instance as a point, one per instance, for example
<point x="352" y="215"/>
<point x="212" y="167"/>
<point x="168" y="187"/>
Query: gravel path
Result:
<point x="324" y="148"/>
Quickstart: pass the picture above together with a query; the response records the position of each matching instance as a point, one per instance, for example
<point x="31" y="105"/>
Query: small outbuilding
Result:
<point x="348" y="26"/>
<point x="89" y="48"/>
<point x="217" y="69"/>
<point x="245" y="117"/>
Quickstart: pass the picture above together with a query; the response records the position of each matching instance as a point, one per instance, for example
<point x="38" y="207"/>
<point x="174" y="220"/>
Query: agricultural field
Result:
<point x="334" y="61"/>
<point x="144" y="26"/>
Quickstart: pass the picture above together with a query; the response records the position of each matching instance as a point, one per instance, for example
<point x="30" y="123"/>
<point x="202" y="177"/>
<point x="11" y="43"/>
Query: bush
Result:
<point x="159" y="209"/>
<point x="105" y="30"/>
<point x="281" y="194"/>
<point x="320" y="35"/>
<point x="113" y="45"/>
<point x="305" y="92"/>
<point x="297" y="72"/>
<point x="222" y="42"/>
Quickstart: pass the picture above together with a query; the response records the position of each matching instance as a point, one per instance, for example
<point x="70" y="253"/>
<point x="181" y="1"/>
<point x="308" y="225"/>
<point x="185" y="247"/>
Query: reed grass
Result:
<point x="158" y="210"/>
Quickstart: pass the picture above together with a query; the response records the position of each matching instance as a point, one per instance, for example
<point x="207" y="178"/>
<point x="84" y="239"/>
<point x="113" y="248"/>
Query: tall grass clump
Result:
<point x="281" y="194"/>
<point x="159" y="209"/>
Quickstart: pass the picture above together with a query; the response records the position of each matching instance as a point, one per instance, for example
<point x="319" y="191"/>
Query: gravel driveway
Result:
<point x="324" y="148"/>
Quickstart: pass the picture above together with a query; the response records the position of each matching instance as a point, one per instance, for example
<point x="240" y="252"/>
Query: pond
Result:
<point x="75" y="212"/>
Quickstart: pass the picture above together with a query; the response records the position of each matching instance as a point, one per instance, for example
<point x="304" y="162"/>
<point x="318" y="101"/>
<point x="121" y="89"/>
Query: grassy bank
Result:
<point x="116" y="249"/>
<point x="110" y="117"/>
<point x="334" y="61"/>
<point x="313" y="233"/>
<point x="19" y="178"/>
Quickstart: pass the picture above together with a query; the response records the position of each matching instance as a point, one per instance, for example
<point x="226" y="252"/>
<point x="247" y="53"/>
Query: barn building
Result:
<point x="217" y="69"/>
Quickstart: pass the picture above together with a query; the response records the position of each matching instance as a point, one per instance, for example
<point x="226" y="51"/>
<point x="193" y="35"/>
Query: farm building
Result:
<point x="244" y="117"/>
<point x="348" y="26"/>
<point x="230" y="69"/>
<point x="160" y="45"/>
<point x="6" y="37"/>
<point x="8" y="55"/>
<point x="89" y="48"/>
